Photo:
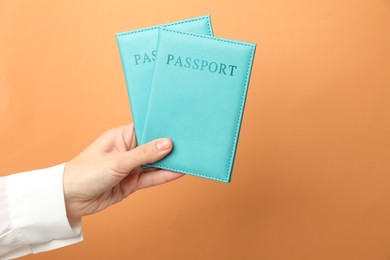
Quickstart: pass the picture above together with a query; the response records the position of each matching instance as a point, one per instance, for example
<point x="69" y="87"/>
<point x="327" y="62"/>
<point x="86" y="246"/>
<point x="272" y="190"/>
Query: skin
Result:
<point x="109" y="170"/>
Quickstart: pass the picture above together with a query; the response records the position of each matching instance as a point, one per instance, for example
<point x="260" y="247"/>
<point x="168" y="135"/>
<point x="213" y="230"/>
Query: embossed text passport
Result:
<point x="138" y="51"/>
<point x="197" y="98"/>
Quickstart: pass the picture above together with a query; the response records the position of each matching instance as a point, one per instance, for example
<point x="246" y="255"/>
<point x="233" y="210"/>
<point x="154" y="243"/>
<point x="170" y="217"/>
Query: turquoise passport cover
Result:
<point x="138" y="51"/>
<point x="197" y="99"/>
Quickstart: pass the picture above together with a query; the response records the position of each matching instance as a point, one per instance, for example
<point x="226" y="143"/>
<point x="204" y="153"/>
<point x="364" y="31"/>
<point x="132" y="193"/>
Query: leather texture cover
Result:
<point x="197" y="99"/>
<point x="138" y="50"/>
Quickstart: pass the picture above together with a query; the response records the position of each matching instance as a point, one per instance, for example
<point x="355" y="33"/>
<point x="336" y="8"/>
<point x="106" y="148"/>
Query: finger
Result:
<point x="129" y="183"/>
<point x="128" y="136"/>
<point x="153" y="178"/>
<point x="146" y="153"/>
<point x="133" y="141"/>
<point x="149" y="169"/>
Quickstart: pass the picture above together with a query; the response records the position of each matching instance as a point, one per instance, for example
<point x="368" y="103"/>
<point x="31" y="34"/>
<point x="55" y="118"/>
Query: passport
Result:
<point x="197" y="98"/>
<point x="138" y="51"/>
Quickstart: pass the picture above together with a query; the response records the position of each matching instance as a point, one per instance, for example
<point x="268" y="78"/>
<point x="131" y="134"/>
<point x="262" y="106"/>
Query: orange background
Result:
<point x="312" y="172"/>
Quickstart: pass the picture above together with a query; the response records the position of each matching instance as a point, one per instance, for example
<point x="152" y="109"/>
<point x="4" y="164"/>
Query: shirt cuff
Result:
<point x="37" y="206"/>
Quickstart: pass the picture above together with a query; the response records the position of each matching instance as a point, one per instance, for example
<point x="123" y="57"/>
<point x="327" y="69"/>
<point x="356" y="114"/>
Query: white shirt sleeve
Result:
<point x="33" y="214"/>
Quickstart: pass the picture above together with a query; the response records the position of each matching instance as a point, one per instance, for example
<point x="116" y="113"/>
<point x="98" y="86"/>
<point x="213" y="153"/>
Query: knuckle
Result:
<point x="108" y="133"/>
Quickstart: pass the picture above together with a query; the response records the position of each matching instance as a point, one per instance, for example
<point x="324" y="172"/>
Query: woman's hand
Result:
<point x="109" y="170"/>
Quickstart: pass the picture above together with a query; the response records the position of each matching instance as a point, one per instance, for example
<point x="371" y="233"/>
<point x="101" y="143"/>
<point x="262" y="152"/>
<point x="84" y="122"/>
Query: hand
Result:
<point x="109" y="170"/>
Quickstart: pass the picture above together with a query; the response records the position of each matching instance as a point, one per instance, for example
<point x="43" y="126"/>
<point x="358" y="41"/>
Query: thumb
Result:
<point x="147" y="153"/>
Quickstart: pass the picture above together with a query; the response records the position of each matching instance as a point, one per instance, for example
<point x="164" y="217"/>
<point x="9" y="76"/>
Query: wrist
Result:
<point x="71" y="212"/>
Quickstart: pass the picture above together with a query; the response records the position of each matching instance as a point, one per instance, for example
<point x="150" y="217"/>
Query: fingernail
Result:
<point x="163" y="144"/>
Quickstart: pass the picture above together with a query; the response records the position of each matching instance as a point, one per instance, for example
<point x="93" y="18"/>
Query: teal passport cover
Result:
<point x="138" y="51"/>
<point x="197" y="99"/>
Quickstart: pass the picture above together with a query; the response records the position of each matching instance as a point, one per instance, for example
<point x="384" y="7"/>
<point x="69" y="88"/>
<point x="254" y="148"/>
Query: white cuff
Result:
<point x="37" y="206"/>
